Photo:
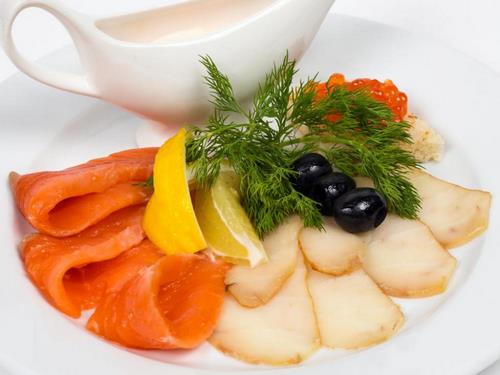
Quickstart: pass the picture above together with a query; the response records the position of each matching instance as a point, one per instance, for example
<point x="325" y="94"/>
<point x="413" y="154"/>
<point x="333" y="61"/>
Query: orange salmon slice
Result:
<point x="64" y="203"/>
<point x="56" y="265"/>
<point x="87" y="285"/>
<point x="174" y="303"/>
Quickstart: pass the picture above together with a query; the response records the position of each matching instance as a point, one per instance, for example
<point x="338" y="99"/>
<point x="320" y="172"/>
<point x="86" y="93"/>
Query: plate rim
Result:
<point x="489" y="356"/>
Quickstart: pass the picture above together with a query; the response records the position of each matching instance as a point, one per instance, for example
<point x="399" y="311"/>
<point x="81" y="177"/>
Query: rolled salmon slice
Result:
<point x="51" y="262"/>
<point x="174" y="303"/>
<point x="87" y="285"/>
<point x="64" y="203"/>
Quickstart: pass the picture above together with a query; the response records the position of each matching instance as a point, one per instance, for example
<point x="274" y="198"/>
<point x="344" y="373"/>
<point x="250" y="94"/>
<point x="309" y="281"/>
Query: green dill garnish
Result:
<point x="261" y="143"/>
<point x="147" y="184"/>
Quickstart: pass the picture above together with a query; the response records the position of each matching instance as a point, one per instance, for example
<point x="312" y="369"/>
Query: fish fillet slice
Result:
<point x="332" y="250"/>
<point x="405" y="260"/>
<point x="86" y="285"/>
<point x="64" y="203"/>
<point x="253" y="287"/>
<point x="454" y="214"/>
<point x="281" y="332"/>
<point x="174" y="303"/>
<point x="48" y="259"/>
<point x="351" y="310"/>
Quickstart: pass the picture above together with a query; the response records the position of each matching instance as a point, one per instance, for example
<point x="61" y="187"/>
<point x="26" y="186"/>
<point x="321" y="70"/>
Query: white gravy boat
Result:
<point x="148" y="62"/>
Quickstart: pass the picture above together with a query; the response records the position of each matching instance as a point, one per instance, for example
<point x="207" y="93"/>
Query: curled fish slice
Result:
<point x="86" y="285"/>
<point x="48" y="259"/>
<point x="174" y="303"/>
<point x="64" y="203"/>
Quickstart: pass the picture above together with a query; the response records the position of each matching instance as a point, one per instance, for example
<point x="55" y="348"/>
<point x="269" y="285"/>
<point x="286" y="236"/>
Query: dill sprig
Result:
<point x="365" y="141"/>
<point x="145" y="184"/>
<point x="254" y="148"/>
<point x="261" y="144"/>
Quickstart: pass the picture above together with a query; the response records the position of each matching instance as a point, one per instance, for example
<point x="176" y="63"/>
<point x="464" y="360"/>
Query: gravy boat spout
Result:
<point x="149" y="62"/>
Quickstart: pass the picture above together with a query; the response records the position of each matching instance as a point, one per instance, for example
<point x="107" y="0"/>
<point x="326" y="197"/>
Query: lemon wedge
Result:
<point x="169" y="220"/>
<point x="225" y="224"/>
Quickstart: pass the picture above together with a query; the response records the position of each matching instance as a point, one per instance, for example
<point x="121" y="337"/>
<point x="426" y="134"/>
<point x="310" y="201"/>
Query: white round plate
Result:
<point x="454" y="333"/>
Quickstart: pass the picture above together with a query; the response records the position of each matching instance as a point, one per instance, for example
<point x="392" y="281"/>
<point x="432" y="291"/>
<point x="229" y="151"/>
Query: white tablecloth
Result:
<point x="471" y="26"/>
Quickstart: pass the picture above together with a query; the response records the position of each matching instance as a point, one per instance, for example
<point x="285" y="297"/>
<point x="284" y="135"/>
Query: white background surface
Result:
<point x="471" y="26"/>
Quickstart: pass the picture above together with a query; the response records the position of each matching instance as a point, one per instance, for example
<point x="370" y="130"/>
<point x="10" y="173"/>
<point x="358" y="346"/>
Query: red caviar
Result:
<point x="385" y="92"/>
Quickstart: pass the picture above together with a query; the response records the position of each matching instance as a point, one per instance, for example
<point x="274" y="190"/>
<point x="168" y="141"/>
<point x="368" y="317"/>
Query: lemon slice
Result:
<point x="169" y="220"/>
<point x="225" y="224"/>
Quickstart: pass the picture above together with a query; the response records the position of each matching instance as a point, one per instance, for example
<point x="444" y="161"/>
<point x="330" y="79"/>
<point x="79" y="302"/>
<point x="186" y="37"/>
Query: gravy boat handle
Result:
<point x="74" y="23"/>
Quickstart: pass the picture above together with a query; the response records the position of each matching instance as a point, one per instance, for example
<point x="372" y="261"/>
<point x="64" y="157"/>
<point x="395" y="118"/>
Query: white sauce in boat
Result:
<point x="181" y="22"/>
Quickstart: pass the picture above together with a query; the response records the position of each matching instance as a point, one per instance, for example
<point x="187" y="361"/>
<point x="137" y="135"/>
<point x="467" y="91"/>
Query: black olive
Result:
<point x="360" y="210"/>
<point x="309" y="168"/>
<point x="328" y="188"/>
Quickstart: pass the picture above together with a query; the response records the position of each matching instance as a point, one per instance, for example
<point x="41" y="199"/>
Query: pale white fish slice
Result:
<point x="454" y="214"/>
<point x="255" y="286"/>
<point x="332" y="250"/>
<point x="281" y="332"/>
<point x="405" y="260"/>
<point x="352" y="311"/>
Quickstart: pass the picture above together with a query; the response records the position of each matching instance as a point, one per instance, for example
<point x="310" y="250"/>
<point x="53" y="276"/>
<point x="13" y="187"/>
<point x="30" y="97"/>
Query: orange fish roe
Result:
<point x="385" y="92"/>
